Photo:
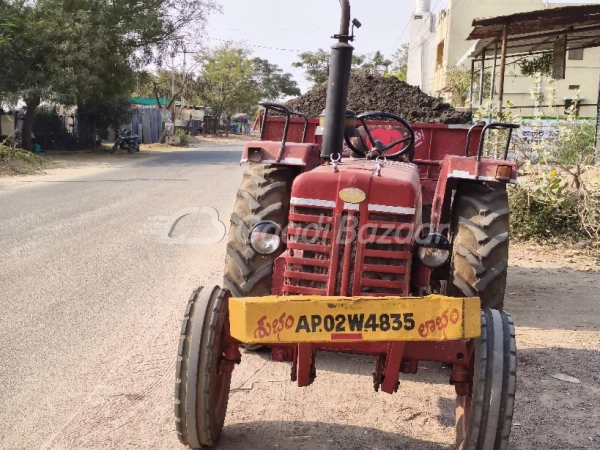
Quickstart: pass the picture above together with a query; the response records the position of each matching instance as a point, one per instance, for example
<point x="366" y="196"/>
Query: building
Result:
<point x="438" y="42"/>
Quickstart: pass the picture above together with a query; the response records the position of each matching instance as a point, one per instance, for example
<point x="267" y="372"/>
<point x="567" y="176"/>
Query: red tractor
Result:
<point x="400" y="252"/>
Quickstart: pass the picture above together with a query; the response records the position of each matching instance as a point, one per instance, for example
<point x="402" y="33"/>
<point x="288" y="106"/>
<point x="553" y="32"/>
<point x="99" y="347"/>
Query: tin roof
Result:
<point x="536" y="31"/>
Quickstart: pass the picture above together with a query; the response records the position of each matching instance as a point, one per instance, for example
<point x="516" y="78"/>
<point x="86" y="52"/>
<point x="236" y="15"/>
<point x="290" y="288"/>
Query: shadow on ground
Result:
<point x="199" y="156"/>
<point x="553" y="298"/>
<point x="315" y="436"/>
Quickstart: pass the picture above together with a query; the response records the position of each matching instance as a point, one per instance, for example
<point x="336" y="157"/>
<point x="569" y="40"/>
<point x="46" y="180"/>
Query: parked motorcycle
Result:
<point x="127" y="140"/>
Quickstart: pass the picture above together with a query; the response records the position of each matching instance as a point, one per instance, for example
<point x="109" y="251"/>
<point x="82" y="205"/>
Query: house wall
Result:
<point x="454" y="26"/>
<point x="421" y="51"/>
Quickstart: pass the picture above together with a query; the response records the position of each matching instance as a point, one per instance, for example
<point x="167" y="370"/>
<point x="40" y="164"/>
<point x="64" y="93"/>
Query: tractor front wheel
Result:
<point x="484" y="416"/>
<point x="201" y="388"/>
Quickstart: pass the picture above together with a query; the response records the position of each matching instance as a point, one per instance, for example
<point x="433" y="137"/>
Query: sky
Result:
<point x="278" y="30"/>
<point x="265" y="26"/>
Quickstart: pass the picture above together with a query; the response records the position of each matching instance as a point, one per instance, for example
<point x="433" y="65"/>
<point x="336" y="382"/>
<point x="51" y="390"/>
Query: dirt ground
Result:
<point x="553" y="296"/>
<point x="56" y="161"/>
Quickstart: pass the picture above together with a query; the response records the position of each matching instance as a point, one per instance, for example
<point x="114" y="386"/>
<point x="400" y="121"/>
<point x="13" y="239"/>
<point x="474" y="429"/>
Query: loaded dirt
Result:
<point x="378" y="93"/>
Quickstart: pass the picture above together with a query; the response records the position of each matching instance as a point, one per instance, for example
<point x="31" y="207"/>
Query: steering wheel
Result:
<point x="377" y="147"/>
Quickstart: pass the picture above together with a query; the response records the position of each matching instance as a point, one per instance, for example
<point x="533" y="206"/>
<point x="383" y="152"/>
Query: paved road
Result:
<point x="92" y="293"/>
<point x="91" y="297"/>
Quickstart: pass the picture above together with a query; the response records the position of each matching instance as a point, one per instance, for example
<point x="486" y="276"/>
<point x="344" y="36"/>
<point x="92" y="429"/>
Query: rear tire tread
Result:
<point x="481" y="239"/>
<point x="264" y="195"/>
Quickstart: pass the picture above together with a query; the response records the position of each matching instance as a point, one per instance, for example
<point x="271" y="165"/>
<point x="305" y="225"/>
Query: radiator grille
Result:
<point x="381" y="268"/>
<point x="309" y="243"/>
<point x="387" y="253"/>
<point x="348" y="246"/>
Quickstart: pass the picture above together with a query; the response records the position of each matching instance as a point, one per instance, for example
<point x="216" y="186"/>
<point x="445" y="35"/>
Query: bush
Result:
<point x="48" y="124"/>
<point x="545" y="210"/>
<point x="183" y="136"/>
<point x="553" y="200"/>
<point x="15" y="154"/>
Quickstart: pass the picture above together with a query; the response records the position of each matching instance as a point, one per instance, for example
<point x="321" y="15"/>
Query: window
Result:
<point x="576" y="54"/>
<point x="439" y="59"/>
<point x="573" y="87"/>
<point x="569" y="102"/>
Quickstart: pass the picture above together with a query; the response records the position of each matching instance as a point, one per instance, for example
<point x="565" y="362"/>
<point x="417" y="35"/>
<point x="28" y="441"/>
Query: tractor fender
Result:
<point x="305" y="156"/>
<point x="456" y="169"/>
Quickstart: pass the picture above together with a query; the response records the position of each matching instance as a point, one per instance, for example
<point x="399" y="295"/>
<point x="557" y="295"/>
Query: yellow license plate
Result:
<point x="313" y="319"/>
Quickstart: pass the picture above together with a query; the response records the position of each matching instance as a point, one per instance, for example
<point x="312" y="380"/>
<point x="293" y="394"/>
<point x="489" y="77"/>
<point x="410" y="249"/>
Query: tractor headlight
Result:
<point x="434" y="252"/>
<point x="265" y="237"/>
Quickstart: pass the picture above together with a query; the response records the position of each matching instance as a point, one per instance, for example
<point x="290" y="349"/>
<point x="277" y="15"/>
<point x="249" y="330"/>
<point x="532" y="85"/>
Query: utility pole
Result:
<point x="183" y="78"/>
<point x="173" y="74"/>
<point x="184" y="75"/>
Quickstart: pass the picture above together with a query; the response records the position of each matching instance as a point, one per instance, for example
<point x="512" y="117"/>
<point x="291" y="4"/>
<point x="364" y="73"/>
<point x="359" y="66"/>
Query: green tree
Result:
<point x="536" y="64"/>
<point x="227" y="81"/>
<point x="77" y="52"/>
<point x="316" y="64"/>
<point x="400" y="63"/>
<point x="376" y="64"/>
<point x="458" y="81"/>
<point x="26" y="70"/>
<point x="273" y="83"/>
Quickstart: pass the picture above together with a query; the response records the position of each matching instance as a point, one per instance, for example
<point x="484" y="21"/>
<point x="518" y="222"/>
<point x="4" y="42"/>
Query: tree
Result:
<point x="458" y="81"/>
<point x="96" y="117"/>
<point x="376" y="64"/>
<point x="400" y="63"/>
<point x="92" y="56"/>
<point x="273" y="83"/>
<point x="227" y="81"/>
<point x="316" y="64"/>
<point x="537" y="64"/>
<point x="26" y="70"/>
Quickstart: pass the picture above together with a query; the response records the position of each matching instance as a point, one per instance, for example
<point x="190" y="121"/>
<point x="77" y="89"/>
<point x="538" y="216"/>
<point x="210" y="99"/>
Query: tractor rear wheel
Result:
<point x="201" y="388"/>
<point x="480" y="243"/>
<point x="484" y="416"/>
<point x="264" y="195"/>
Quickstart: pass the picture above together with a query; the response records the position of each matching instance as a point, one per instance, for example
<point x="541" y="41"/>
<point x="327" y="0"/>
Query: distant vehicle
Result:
<point x="127" y="140"/>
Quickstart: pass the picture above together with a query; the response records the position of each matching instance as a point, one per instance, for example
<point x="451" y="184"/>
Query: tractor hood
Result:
<point x="352" y="231"/>
<point x="396" y="190"/>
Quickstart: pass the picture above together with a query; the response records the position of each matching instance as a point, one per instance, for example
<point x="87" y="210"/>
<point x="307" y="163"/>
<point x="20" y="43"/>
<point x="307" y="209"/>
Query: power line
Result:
<point x="259" y="46"/>
<point x="396" y="45"/>
<point x="366" y="24"/>
<point x="403" y="31"/>
<point x="432" y="35"/>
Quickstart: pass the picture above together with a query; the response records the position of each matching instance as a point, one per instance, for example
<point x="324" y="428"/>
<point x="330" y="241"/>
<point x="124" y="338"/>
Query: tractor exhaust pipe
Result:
<point x="337" y="91"/>
<point x="345" y="25"/>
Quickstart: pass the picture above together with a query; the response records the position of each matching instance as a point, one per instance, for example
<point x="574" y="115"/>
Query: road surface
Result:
<point x="93" y="290"/>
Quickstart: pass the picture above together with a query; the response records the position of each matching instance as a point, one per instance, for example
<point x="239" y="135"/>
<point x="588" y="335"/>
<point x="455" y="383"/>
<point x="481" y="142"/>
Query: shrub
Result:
<point x="544" y="209"/>
<point x="15" y="154"/>
<point x="552" y="200"/>
<point x="183" y="137"/>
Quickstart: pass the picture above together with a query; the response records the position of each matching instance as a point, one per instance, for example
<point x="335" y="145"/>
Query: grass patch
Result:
<point x="16" y="161"/>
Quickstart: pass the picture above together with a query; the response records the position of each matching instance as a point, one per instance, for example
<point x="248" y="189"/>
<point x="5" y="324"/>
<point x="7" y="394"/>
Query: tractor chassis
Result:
<point x="393" y="358"/>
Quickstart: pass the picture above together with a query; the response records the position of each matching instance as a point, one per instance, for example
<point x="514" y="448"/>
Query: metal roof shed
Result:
<point x="533" y="32"/>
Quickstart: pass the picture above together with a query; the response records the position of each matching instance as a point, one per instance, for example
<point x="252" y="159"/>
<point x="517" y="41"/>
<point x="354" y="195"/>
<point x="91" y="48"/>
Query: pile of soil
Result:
<point x="378" y="93"/>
